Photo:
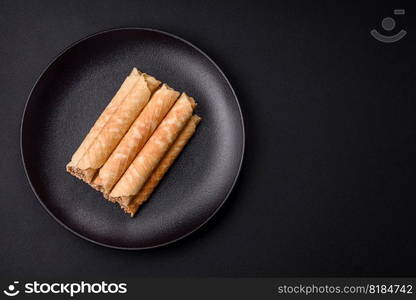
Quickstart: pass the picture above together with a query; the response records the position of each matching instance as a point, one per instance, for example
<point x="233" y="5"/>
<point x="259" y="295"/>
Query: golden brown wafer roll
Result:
<point x="115" y="128"/>
<point x="149" y="157"/>
<point x="125" y="88"/>
<point x="134" y="140"/>
<point x="163" y="166"/>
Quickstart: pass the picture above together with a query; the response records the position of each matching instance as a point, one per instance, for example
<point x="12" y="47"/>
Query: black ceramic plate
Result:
<point x="72" y="92"/>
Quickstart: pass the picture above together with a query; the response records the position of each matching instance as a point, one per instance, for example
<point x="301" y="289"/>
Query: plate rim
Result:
<point x="46" y="69"/>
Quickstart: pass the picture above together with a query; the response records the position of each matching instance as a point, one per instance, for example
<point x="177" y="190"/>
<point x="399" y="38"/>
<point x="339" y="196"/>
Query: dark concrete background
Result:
<point x="326" y="188"/>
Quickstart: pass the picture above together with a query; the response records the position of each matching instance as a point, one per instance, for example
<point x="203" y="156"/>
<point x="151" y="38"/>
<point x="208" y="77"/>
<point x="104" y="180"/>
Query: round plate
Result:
<point x="73" y="91"/>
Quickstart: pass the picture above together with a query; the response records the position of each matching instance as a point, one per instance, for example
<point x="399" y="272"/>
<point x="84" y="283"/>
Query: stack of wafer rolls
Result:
<point x="135" y="140"/>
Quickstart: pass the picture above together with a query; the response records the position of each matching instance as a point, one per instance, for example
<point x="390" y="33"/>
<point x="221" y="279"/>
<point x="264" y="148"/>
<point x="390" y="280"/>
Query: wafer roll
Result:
<point x="134" y="140"/>
<point x="125" y="88"/>
<point x="115" y="128"/>
<point x="163" y="166"/>
<point x="149" y="157"/>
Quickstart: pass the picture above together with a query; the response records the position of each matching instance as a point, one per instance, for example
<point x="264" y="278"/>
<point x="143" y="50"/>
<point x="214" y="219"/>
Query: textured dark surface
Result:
<point x="327" y="185"/>
<point x="67" y="100"/>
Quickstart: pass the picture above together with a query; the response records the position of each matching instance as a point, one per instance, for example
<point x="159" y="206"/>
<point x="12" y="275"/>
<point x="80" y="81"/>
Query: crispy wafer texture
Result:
<point x="114" y="129"/>
<point x="149" y="157"/>
<point x="136" y="137"/>
<point x="125" y="88"/>
<point x="163" y="166"/>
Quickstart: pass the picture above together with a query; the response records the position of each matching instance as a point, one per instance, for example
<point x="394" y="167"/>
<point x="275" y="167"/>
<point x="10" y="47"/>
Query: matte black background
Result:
<point x="327" y="187"/>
